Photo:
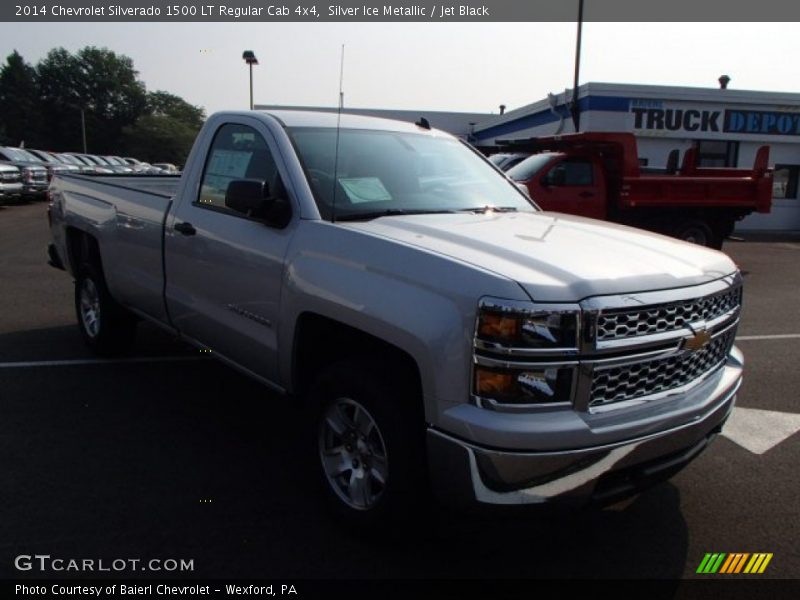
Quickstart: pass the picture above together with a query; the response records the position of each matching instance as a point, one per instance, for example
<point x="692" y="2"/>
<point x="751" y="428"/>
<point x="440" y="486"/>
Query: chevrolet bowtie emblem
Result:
<point x="698" y="341"/>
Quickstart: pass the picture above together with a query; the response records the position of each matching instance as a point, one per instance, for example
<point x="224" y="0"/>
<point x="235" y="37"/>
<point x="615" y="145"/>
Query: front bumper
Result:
<point x="35" y="189"/>
<point x="10" y="189"/>
<point x="468" y="475"/>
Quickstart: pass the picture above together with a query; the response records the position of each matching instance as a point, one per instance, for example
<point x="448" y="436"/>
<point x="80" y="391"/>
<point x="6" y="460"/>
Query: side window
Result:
<point x="570" y="172"/>
<point x="713" y="153"/>
<point x="784" y="181"/>
<point x="237" y="152"/>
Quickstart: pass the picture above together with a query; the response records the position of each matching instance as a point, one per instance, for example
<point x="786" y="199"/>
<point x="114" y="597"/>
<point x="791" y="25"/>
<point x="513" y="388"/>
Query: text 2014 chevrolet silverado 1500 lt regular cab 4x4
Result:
<point x="447" y="332"/>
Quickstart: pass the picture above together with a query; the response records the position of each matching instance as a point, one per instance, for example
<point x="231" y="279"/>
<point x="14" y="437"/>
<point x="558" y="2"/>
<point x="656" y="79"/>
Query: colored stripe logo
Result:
<point x="734" y="563"/>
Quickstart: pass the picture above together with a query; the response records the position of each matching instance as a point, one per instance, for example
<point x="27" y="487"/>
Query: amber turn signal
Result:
<point x="498" y="326"/>
<point x="493" y="383"/>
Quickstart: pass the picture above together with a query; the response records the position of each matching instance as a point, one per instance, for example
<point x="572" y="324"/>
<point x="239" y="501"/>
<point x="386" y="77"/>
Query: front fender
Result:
<point x="420" y="302"/>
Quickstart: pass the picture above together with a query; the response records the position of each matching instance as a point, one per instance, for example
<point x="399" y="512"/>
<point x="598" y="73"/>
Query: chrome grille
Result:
<point x="651" y="377"/>
<point x="621" y="324"/>
<point x="10" y="176"/>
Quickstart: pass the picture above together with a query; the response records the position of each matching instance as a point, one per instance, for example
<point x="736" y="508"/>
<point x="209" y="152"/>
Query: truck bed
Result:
<point x="160" y="185"/>
<point x="696" y="192"/>
<point x="125" y="214"/>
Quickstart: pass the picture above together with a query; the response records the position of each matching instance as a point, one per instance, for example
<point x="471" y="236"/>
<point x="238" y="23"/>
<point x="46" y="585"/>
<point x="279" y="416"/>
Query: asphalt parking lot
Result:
<point x="175" y="456"/>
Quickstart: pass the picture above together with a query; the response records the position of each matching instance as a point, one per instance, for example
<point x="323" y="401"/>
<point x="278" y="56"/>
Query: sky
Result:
<point x="469" y="67"/>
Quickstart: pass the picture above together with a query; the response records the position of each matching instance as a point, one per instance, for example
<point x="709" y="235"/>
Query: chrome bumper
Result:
<point x="465" y="474"/>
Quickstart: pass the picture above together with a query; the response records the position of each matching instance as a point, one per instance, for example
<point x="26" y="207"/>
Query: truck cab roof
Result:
<point x="325" y="119"/>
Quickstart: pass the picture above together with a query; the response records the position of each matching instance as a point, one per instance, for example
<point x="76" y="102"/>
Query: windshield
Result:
<point x="529" y="167"/>
<point x="30" y="156"/>
<point x="498" y="159"/>
<point x="389" y="172"/>
<point x="19" y="155"/>
<point x="43" y="156"/>
<point x="67" y="158"/>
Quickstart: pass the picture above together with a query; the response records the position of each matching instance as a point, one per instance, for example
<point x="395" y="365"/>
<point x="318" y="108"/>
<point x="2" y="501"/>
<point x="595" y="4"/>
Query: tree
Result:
<point x="96" y="80"/>
<point x="166" y="133"/>
<point x="158" y="138"/>
<point x="164" y="104"/>
<point x="43" y="107"/>
<point x="20" y="112"/>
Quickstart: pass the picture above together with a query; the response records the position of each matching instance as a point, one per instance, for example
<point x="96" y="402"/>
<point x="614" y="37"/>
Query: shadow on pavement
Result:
<point x="192" y="460"/>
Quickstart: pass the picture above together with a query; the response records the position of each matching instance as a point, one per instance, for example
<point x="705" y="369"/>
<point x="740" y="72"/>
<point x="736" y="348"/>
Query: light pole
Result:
<point x="83" y="130"/>
<point x="250" y="58"/>
<point x="576" y="114"/>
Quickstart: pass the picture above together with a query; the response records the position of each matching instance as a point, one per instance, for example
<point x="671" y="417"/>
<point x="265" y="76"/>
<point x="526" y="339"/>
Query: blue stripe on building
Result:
<point x="604" y="103"/>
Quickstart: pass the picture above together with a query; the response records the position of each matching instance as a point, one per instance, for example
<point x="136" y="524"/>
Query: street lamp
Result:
<point x="83" y="130"/>
<point x="250" y="58"/>
<point x="574" y="109"/>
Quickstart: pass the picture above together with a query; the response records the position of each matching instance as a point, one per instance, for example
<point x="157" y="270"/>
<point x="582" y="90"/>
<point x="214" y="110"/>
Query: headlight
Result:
<point x="529" y="385"/>
<point x="512" y="326"/>
<point x="525" y="353"/>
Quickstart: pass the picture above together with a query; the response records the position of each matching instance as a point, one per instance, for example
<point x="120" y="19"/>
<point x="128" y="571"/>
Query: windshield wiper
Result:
<point x="390" y="212"/>
<point x="489" y="208"/>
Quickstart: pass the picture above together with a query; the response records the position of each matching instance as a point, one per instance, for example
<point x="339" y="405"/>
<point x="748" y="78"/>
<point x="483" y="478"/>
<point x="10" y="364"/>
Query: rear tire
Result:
<point x="106" y="327"/>
<point x="370" y="432"/>
<point x="697" y="232"/>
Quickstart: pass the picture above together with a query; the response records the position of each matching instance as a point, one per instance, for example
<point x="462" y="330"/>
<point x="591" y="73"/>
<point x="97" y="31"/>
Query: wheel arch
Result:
<point x="320" y="341"/>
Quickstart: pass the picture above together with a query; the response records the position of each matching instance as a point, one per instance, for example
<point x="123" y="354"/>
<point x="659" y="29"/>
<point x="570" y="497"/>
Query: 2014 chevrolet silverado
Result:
<point x="447" y="333"/>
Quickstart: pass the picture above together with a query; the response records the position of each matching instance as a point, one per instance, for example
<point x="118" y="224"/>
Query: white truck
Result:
<point x="448" y="335"/>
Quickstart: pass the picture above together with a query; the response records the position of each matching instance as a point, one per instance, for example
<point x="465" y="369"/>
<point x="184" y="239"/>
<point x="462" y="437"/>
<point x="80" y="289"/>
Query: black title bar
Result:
<point x="400" y="11"/>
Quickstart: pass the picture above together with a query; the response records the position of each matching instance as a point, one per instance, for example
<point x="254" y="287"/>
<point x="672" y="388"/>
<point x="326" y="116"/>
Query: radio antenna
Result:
<point x="338" y="128"/>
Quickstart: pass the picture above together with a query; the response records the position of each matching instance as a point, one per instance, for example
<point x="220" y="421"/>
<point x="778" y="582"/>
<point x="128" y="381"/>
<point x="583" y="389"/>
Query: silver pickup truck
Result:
<point x="446" y="333"/>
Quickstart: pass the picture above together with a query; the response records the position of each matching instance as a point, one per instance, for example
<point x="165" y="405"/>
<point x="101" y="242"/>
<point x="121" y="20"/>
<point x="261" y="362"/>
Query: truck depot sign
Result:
<point x="653" y="115"/>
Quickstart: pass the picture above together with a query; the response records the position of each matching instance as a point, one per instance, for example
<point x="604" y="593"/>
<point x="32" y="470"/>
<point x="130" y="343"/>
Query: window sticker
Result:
<point x="365" y="189"/>
<point x="225" y="166"/>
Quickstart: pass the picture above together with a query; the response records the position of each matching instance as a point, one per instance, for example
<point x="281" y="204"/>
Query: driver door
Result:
<point x="224" y="269"/>
<point x="574" y="186"/>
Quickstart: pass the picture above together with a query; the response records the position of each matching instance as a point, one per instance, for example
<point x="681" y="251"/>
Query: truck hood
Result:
<point x="556" y="257"/>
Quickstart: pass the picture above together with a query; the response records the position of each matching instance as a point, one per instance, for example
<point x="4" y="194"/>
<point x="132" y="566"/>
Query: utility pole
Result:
<point x="576" y="114"/>
<point x="83" y="130"/>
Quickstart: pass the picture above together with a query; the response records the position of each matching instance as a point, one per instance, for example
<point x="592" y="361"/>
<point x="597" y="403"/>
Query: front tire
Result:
<point x="370" y="436"/>
<point x="105" y="326"/>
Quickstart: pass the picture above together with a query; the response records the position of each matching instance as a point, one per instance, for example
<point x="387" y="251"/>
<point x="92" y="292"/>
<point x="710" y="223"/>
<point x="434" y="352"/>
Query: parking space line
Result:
<point x="777" y="336"/>
<point x="97" y="361"/>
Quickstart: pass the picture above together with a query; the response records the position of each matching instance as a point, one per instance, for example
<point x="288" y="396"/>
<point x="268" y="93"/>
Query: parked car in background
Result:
<point x="68" y="159"/>
<point x="132" y="162"/>
<point x="505" y="160"/>
<point x="92" y="166"/>
<point x="167" y="168"/>
<point x="117" y="164"/>
<point x="94" y="159"/>
<point x="142" y="167"/>
<point x="34" y="174"/>
<point x="10" y="181"/>
<point x="48" y="162"/>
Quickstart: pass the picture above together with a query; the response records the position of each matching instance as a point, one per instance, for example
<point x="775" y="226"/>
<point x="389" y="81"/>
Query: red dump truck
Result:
<point x="598" y="175"/>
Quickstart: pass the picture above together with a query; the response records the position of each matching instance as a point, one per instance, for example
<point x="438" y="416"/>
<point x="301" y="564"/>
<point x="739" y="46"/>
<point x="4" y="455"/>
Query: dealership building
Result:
<point x="726" y="126"/>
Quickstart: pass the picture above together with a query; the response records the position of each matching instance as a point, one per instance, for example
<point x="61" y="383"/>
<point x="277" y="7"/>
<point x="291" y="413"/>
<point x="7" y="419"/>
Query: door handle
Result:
<point x="185" y="228"/>
<point x="586" y="194"/>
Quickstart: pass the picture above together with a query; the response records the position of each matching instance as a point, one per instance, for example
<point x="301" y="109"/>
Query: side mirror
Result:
<point x="247" y="196"/>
